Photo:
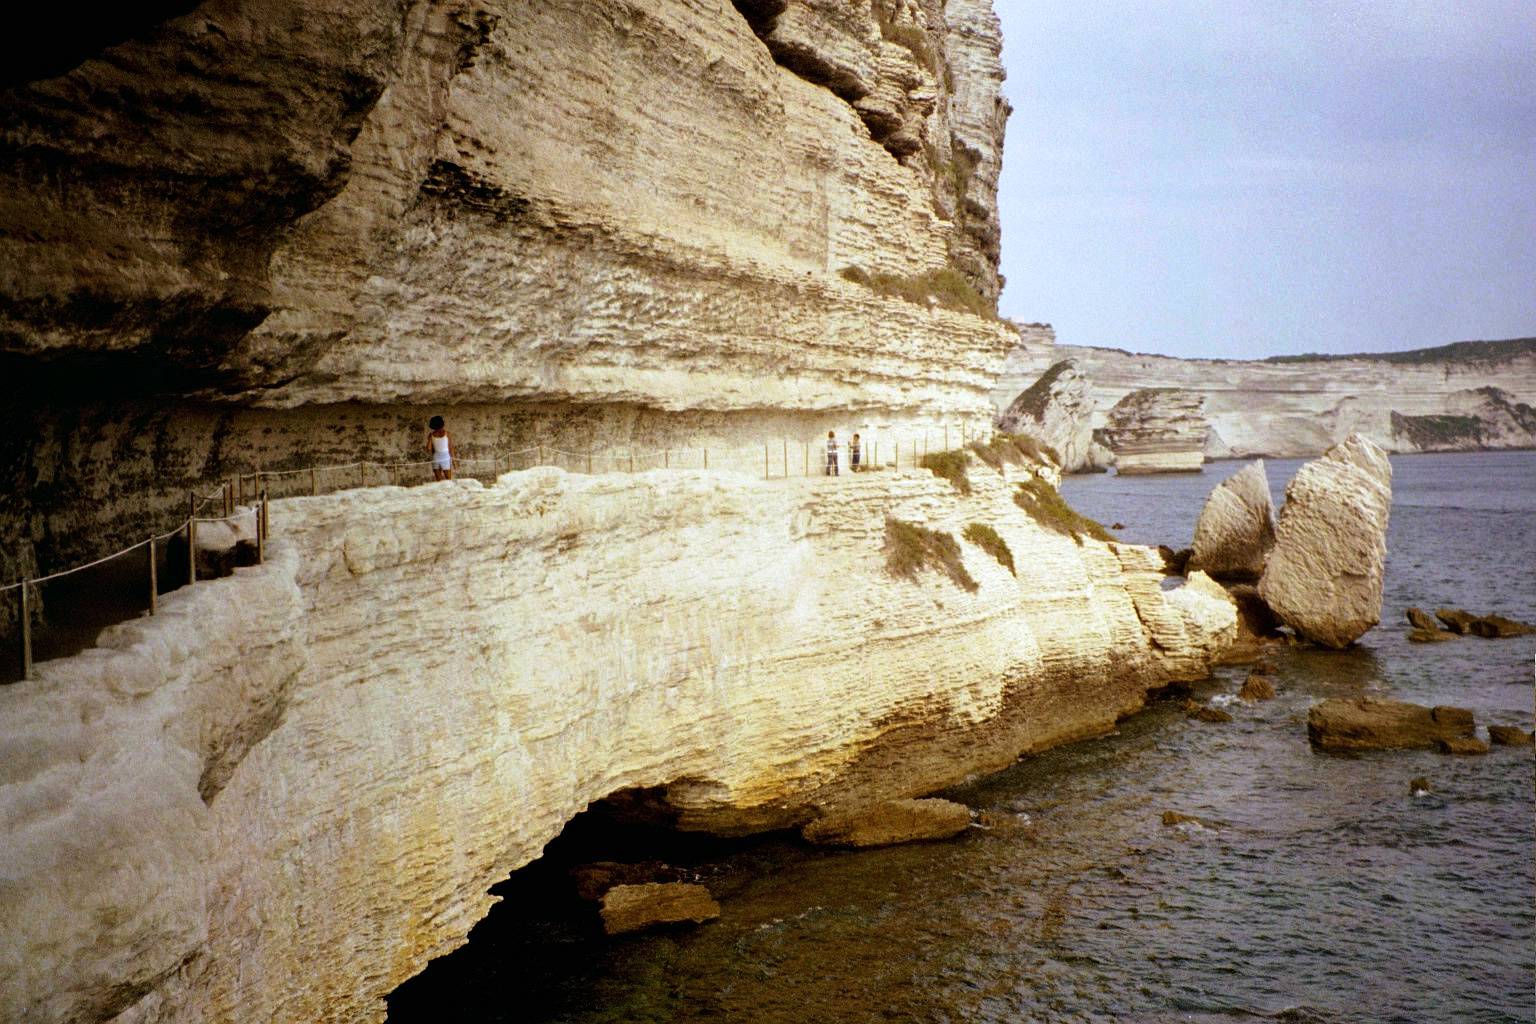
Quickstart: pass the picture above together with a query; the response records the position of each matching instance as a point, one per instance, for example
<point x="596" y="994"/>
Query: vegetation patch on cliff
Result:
<point x="1019" y="449"/>
<point x="986" y="538"/>
<point x="1438" y="431"/>
<point x="1046" y="506"/>
<point x="946" y="286"/>
<point x="910" y="548"/>
<point x="951" y="465"/>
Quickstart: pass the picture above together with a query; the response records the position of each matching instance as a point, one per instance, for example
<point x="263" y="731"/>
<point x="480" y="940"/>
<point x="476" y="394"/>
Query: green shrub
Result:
<point x="986" y="538"/>
<point x="950" y="465"/>
<point x="1045" y="505"/>
<point x="910" y="548"/>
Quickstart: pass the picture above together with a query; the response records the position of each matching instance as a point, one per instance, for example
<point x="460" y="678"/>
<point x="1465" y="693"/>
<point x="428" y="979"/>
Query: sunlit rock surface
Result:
<point x="1236" y="527"/>
<point x="420" y="687"/>
<point x="1056" y="410"/>
<point x="1157" y="430"/>
<point x="1324" y="576"/>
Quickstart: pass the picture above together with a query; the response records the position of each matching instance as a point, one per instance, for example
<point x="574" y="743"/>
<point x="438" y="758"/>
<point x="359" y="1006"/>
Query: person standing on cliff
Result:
<point x="440" y="444"/>
<point x="831" y="454"/>
<point x="855" y="449"/>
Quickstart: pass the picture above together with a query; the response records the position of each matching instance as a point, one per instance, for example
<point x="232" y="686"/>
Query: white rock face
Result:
<point x="1157" y="430"/>
<point x="1301" y="407"/>
<point x="1486" y="417"/>
<point x="1236" y="528"/>
<point x="1056" y="410"/>
<point x="282" y="796"/>
<point x="1324" y="577"/>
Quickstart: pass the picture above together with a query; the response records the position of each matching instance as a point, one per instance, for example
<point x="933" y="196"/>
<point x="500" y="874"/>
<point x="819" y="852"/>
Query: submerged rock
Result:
<point x="1419" y="785"/>
<point x="1509" y="736"/>
<point x="1324" y="576"/>
<point x="1257" y="687"/>
<point x="893" y="821"/>
<point x="629" y="908"/>
<point x="1206" y="713"/>
<point x="1236" y="528"/>
<point x="1430" y="636"/>
<point x="1490" y="627"/>
<point x="1462" y="745"/>
<point x="1175" y="818"/>
<point x="1368" y="723"/>
<point x="1418" y="618"/>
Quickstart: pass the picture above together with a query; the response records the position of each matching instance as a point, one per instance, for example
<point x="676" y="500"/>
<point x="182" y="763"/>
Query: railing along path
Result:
<point x="256" y="487"/>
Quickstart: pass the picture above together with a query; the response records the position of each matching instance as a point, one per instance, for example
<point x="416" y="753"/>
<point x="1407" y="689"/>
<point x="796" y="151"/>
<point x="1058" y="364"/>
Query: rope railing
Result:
<point x="774" y="459"/>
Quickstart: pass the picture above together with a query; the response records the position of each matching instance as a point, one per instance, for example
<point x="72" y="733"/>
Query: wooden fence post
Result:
<point x="314" y="487"/>
<point x="785" y="442"/>
<point x="706" y="457"/>
<point x="26" y="631"/>
<point x="154" y="579"/>
<point x="589" y="461"/>
<point x="262" y="526"/>
<point x="946" y="437"/>
<point x="807" y="456"/>
<point x="362" y="474"/>
<point x="192" y="550"/>
<point x="666" y="458"/>
<point x="631" y="460"/>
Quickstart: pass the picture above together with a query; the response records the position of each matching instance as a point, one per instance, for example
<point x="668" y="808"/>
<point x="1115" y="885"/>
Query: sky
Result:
<point x="1243" y="178"/>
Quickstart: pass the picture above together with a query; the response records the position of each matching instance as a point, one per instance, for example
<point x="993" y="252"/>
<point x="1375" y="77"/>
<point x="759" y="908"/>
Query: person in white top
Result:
<point x="831" y="454"/>
<point x="440" y="444"/>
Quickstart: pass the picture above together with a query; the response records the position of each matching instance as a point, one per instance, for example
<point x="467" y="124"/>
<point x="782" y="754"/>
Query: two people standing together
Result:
<point x="855" y="454"/>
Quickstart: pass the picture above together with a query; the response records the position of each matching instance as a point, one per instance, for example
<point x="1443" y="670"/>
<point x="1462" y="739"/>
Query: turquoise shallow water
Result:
<point x="1322" y="892"/>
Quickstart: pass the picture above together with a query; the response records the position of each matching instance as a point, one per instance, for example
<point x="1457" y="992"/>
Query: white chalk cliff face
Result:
<point x="577" y="222"/>
<point x="1324" y="577"/>
<point x="1300" y="407"/>
<point x="283" y="795"/>
<point x="1056" y="410"/>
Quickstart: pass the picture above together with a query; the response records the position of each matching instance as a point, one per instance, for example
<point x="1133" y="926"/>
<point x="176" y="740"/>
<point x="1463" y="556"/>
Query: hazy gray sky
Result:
<point x="1258" y="177"/>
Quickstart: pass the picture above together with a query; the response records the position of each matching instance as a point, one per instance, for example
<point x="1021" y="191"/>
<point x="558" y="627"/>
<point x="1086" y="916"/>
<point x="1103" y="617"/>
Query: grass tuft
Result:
<point x="947" y="287"/>
<point x="986" y="538"/>
<point x="1045" y="505"/>
<point x="951" y="465"/>
<point x="1018" y="449"/>
<point x="910" y="548"/>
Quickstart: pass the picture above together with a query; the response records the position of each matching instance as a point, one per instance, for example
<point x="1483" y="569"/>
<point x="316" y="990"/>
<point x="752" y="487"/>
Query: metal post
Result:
<point x="631" y="460"/>
<point x="765" y="461"/>
<point x="191" y="550"/>
<point x="785" y="440"/>
<point x="394" y="475"/>
<point x="589" y="461"/>
<point x="946" y="437"/>
<point x="666" y="458"/>
<point x="706" y="457"/>
<point x="154" y="579"/>
<point x="314" y="488"/>
<point x="26" y="631"/>
<point x="362" y="474"/>
<point x="263" y="524"/>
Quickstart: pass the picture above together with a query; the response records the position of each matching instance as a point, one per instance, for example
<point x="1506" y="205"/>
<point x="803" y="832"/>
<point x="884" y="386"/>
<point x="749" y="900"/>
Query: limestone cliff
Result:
<point x="1056" y="410"/>
<point x="1157" y="430"/>
<point x="264" y="228"/>
<point x="280" y="797"/>
<point x="1299" y="406"/>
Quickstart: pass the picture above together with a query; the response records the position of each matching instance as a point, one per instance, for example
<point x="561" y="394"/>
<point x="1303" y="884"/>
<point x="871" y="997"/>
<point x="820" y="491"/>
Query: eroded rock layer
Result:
<point x="613" y="209"/>
<point x="280" y="797"/>
<point x="1057" y="411"/>
<point x="1157" y="430"/>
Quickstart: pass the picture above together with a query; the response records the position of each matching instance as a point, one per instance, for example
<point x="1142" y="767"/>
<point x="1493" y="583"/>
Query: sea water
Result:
<point x="1317" y="888"/>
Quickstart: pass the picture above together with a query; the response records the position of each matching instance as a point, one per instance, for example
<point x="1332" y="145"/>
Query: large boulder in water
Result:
<point x="1236" y="528"/>
<point x="1056" y="410"/>
<point x="1324" y="576"/>
<point x="1367" y="723"/>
